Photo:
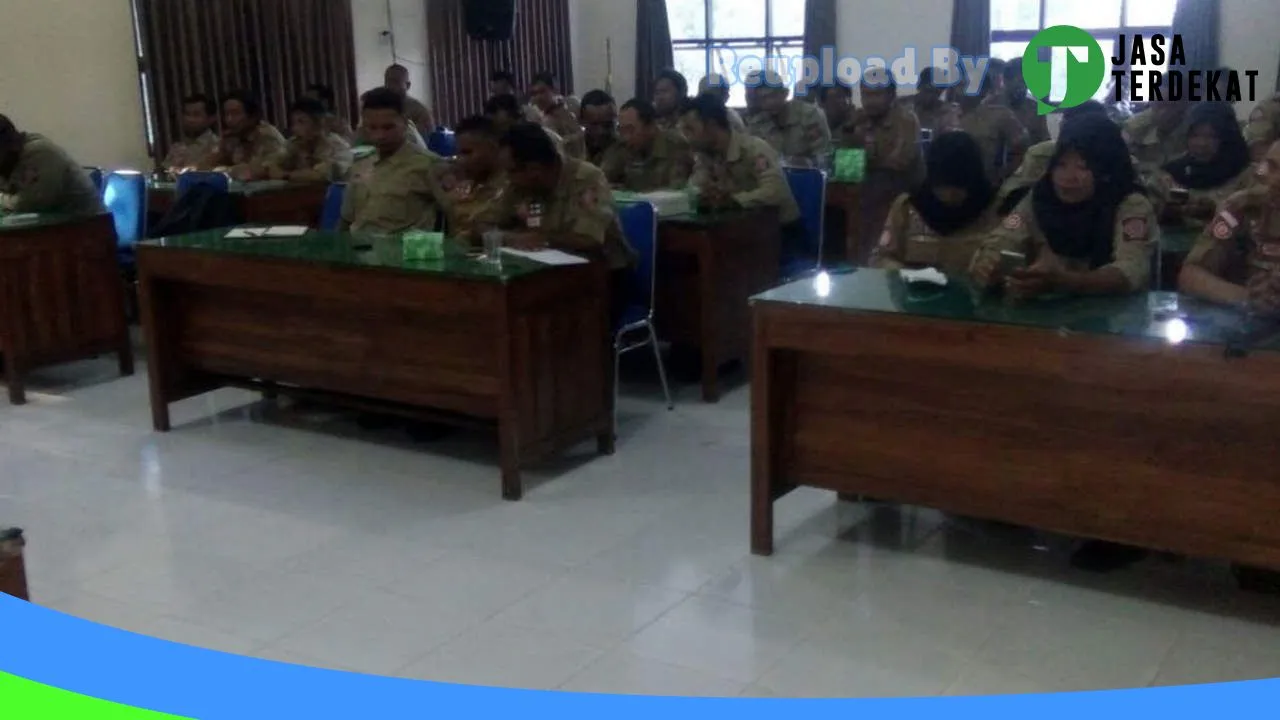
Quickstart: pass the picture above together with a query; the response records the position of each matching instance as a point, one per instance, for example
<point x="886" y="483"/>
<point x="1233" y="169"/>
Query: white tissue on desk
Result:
<point x="668" y="203"/>
<point x="927" y="276"/>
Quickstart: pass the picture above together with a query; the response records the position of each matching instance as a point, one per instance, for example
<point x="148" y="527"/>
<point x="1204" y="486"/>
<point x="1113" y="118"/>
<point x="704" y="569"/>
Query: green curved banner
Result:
<point x="26" y="700"/>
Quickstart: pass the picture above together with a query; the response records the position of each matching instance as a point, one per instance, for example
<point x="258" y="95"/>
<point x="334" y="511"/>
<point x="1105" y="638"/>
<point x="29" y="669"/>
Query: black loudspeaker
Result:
<point x="490" y="19"/>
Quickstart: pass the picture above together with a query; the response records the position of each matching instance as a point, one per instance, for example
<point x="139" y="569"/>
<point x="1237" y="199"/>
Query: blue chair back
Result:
<point x="216" y="180"/>
<point x="640" y="224"/>
<point x="125" y="196"/>
<point x="809" y="186"/>
<point x="97" y="177"/>
<point x="443" y="142"/>
<point x="331" y="215"/>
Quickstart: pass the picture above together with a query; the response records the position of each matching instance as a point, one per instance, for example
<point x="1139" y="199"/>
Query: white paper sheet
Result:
<point x="268" y="232"/>
<point x="547" y="257"/>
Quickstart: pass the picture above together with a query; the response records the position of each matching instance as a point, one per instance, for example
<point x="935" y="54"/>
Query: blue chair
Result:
<point x="443" y="142"/>
<point x="331" y="215"/>
<point x="809" y="186"/>
<point x="97" y="177"/>
<point x="216" y="180"/>
<point x="125" y="196"/>
<point x="635" y="329"/>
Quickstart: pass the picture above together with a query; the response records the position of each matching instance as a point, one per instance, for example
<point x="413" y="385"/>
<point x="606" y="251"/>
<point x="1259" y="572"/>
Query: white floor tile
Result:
<point x="502" y="655"/>
<point x="601" y="611"/>
<point x="624" y="673"/>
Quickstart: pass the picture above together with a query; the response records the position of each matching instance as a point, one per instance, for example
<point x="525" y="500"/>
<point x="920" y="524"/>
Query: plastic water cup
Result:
<point x="493" y="246"/>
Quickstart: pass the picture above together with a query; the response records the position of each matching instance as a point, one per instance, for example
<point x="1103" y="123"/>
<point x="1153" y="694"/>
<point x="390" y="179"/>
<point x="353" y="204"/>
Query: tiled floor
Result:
<point x="264" y="531"/>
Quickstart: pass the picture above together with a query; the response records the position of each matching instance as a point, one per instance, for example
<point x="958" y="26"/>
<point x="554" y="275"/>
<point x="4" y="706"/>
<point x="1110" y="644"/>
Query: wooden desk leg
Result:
<point x="126" y="354"/>
<point x="17" y="386"/>
<point x="512" y="484"/>
<point x="763" y="428"/>
<point x="158" y="351"/>
<point x="710" y="332"/>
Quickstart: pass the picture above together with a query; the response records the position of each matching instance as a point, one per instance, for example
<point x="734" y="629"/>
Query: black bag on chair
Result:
<point x="200" y="208"/>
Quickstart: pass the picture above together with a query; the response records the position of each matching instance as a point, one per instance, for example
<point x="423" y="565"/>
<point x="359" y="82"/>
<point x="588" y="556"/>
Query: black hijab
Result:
<point x="955" y="160"/>
<point x="1083" y="231"/>
<point x="1233" y="152"/>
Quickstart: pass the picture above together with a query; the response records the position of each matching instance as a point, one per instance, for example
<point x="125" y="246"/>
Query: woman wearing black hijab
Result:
<point x="942" y="224"/>
<point x="1085" y="228"/>
<point x="1216" y="164"/>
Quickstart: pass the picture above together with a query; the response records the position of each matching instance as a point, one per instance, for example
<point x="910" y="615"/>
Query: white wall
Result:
<point x="70" y="72"/>
<point x="406" y="23"/>
<point x="596" y="21"/>
<point x="1250" y="40"/>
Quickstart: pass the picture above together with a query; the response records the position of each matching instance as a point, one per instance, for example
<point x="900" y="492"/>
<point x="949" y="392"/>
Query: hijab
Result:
<point x="1233" y="152"/>
<point x="954" y="160"/>
<point x="1083" y="231"/>
<point x="1069" y="116"/>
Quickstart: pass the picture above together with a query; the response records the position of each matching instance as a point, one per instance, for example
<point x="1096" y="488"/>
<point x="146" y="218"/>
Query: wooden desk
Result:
<point x="13" y="572"/>
<point x="523" y="349"/>
<point x="267" y="202"/>
<point x="1079" y="416"/>
<point x="846" y="200"/>
<point x="61" y="296"/>
<point x="708" y="268"/>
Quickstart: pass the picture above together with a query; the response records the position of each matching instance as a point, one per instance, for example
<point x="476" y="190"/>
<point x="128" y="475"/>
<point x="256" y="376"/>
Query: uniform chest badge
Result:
<point x="1014" y="221"/>
<point x="1135" y="229"/>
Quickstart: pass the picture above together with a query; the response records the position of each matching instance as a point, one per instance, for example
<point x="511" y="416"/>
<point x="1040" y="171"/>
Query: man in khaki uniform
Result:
<point x="1001" y="137"/>
<point x="1019" y="100"/>
<point x="889" y="132"/>
<point x="1263" y="128"/>
<point x="600" y="125"/>
<point x="797" y="130"/>
<point x="557" y="117"/>
<point x="402" y="191"/>
<point x="334" y="121"/>
<point x="249" y="143"/>
<point x="198" y="140"/>
<point x="1158" y="135"/>
<point x="718" y="87"/>
<point x="647" y="158"/>
<point x="313" y="154"/>
<point x="836" y="102"/>
<point x="475" y="179"/>
<point x="37" y="176"/>
<point x="670" y="91"/>
<point x="932" y="112"/>
<point x="396" y="78"/>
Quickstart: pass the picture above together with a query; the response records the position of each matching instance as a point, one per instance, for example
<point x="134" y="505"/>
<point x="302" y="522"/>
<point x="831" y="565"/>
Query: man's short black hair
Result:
<point x="824" y="91"/>
<point x="597" y="98"/>
<point x="382" y="99"/>
<point x="502" y="103"/>
<point x="545" y="78"/>
<point x="529" y="144"/>
<point x="476" y="125"/>
<point x="926" y="78"/>
<point x="397" y="68"/>
<point x="708" y="108"/>
<point x="7" y="128"/>
<point x="309" y="106"/>
<point x="249" y="102"/>
<point x="324" y="92"/>
<point x="209" y="107"/>
<point x="644" y="110"/>
<point x="680" y="81"/>
<point x="503" y="76"/>
<point x="1012" y="69"/>
<point x="998" y="66"/>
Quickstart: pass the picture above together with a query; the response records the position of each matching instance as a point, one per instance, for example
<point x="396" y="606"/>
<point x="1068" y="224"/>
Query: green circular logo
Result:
<point x="1074" y="72"/>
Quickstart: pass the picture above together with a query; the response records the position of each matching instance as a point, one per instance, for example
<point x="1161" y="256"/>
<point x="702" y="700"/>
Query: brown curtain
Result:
<point x="653" y="44"/>
<point x="1197" y="21"/>
<point x="461" y="66"/>
<point x="819" y="28"/>
<point x="271" y="48"/>
<point x="971" y="27"/>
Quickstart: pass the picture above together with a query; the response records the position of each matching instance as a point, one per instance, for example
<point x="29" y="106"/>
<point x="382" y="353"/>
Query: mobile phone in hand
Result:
<point x="1011" y="261"/>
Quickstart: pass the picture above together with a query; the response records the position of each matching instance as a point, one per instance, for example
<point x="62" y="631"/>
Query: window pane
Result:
<point x="748" y="60"/>
<point x="1015" y="14"/>
<point x="1149" y="13"/>
<point x="787" y="17"/>
<point x="1008" y="50"/>
<point x="1060" y="71"/>
<point x="688" y="19"/>
<point x="692" y="63"/>
<point x="1089" y="15"/>
<point x="737" y="18"/>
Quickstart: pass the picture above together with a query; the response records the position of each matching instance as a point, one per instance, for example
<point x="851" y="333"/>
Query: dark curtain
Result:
<point x="653" y="44"/>
<point x="460" y="66"/>
<point x="819" y="28"/>
<point x="971" y="27"/>
<point x="271" y="48"/>
<point x="1197" y="21"/>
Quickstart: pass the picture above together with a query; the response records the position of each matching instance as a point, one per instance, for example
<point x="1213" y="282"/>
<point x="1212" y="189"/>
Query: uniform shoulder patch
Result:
<point x="590" y="198"/>
<point x="1014" y="221"/>
<point x="1257" y="115"/>
<point x="886" y="238"/>
<point x="1221" y="230"/>
<point x="762" y="163"/>
<point x="1135" y="228"/>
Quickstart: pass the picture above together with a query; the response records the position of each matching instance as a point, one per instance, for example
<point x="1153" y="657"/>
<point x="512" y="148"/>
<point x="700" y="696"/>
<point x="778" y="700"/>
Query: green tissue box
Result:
<point x="850" y="165"/>
<point x="423" y="245"/>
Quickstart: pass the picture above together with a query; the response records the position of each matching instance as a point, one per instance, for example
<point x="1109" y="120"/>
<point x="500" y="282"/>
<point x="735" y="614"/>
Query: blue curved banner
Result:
<point x="58" y="651"/>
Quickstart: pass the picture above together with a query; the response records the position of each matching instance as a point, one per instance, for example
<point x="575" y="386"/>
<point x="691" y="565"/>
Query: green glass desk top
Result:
<point x="353" y="250"/>
<point x="14" y="222"/>
<point x="236" y="188"/>
<point x="1157" y="316"/>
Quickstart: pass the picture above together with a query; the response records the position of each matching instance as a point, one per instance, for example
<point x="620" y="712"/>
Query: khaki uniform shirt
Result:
<point x="411" y="135"/>
<point x="46" y="180"/>
<point x="565" y="124"/>
<point x="579" y="205"/>
<point x="1146" y="144"/>
<point x="467" y="200"/>
<point x="401" y="192"/>
<point x="892" y="141"/>
<point x="667" y="166"/>
<point x="909" y="242"/>
<point x="1263" y="128"/>
<point x="1242" y="239"/>
<point x="596" y="156"/>
<point x="191" y="152"/>
<point x="999" y="135"/>
<point x="263" y="145"/>
<point x="943" y="117"/>
<point x="1036" y="125"/>
<point x="330" y="158"/>
<point x="749" y="173"/>
<point x="1202" y="203"/>
<point x="1135" y="239"/>
<point x="419" y="115"/>
<point x="340" y="127"/>
<point x="798" y="131"/>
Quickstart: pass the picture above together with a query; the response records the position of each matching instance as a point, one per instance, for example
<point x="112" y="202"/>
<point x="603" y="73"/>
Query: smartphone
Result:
<point x="1010" y="261"/>
<point x="1179" y="196"/>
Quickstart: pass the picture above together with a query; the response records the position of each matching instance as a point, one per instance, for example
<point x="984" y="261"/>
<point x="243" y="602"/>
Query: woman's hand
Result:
<point x="1043" y="277"/>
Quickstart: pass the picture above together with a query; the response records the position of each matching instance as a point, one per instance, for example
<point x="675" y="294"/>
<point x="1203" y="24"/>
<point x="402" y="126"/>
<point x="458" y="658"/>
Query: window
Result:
<point x="735" y="37"/>
<point x="1015" y="22"/>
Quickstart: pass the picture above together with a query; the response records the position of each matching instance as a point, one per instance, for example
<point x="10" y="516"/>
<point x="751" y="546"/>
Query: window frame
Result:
<point x="1108" y="33"/>
<point x="710" y="43"/>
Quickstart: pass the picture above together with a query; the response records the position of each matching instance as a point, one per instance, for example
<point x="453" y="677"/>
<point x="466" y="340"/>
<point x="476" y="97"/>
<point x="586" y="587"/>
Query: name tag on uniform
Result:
<point x="533" y="220"/>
